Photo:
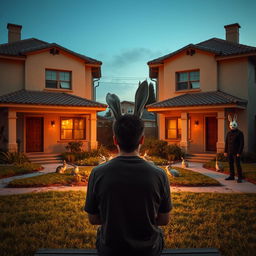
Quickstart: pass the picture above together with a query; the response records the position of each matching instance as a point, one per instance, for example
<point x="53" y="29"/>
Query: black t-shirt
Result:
<point x="128" y="193"/>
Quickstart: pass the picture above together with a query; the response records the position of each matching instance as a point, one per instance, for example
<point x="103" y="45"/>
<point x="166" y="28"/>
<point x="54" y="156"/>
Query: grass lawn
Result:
<point x="249" y="169"/>
<point x="188" y="178"/>
<point x="12" y="170"/>
<point x="51" y="179"/>
<point x="57" y="220"/>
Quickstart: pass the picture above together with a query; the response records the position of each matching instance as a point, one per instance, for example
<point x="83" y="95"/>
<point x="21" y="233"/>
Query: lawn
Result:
<point x="249" y="169"/>
<point x="188" y="178"/>
<point x="57" y="220"/>
<point x="12" y="170"/>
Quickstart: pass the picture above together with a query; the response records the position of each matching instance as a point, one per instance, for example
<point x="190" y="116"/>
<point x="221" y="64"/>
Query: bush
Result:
<point x="159" y="161"/>
<point x="90" y="161"/>
<point x="74" y="146"/>
<point x="160" y="148"/>
<point x="13" y="158"/>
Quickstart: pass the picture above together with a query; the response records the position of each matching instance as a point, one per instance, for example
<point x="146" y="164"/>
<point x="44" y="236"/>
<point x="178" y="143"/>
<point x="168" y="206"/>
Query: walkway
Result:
<point x="227" y="186"/>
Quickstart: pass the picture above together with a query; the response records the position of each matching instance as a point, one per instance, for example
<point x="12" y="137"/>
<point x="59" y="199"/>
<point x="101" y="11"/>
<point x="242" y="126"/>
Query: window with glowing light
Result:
<point x="173" y="128"/>
<point x="55" y="79"/>
<point x="188" y="80"/>
<point x="72" y="129"/>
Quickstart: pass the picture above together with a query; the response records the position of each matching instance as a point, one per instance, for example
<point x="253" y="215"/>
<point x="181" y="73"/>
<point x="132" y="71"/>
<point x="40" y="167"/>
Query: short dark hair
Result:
<point x="128" y="130"/>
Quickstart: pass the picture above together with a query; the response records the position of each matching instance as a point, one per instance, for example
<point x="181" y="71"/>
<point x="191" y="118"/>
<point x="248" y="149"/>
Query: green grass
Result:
<point x="56" y="220"/>
<point x="12" y="170"/>
<point x="249" y="169"/>
<point x="51" y="179"/>
<point x="190" y="178"/>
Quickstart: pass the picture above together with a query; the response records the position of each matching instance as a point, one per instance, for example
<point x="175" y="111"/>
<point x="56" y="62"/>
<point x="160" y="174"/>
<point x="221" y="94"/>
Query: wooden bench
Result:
<point x="93" y="252"/>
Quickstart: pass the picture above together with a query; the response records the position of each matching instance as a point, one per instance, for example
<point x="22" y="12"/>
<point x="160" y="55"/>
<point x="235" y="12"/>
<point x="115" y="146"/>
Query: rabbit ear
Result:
<point x="229" y="118"/>
<point x="235" y="118"/>
<point x="141" y="98"/>
<point x="114" y="104"/>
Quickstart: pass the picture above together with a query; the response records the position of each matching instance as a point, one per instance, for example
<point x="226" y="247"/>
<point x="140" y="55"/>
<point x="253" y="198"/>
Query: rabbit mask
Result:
<point x="233" y="122"/>
<point x="141" y="98"/>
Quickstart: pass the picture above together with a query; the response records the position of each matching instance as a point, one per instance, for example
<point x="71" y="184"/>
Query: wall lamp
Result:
<point x="196" y="123"/>
<point x="52" y="123"/>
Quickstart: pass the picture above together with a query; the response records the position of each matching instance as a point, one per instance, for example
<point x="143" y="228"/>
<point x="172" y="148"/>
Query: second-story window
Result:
<point x="188" y="80"/>
<point x="55" y="79"/>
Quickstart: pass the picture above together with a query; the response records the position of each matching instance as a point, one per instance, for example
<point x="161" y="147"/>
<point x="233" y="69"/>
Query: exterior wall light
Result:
<point x="52" y="123"/>
<point x="196" y="123"/>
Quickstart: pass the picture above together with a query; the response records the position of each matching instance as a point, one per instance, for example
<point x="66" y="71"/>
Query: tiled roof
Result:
<point x="217" y="46"/>
<point x="199" y="99"/>
<point x="20" y="48"/>
<point x="48" y="98"/>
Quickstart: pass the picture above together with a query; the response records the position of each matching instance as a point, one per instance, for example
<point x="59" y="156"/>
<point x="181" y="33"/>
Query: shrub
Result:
<point x="160" y="148"/>
<point x="13" y="158"/>
<point x="90" y="161"/>
<point x="74" y="146"/>
<point x="159" y="161"/>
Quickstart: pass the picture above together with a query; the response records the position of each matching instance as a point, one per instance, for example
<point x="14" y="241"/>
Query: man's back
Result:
<point x="128" y="193"/>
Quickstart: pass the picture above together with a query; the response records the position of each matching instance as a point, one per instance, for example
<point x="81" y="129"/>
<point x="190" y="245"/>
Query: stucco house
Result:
<point x="199" y="85"/>
<point x="46" y="95"/>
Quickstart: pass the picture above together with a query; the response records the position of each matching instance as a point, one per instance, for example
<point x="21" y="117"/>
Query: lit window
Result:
<point x="72" y="129"/>
<point x="58" y="79"/>
<point x="173" y="128"/>
<point x="188" y="80"/>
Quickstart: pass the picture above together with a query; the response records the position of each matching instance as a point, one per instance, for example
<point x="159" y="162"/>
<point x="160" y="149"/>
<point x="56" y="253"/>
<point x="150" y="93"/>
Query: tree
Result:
<point x="151" y="95"/>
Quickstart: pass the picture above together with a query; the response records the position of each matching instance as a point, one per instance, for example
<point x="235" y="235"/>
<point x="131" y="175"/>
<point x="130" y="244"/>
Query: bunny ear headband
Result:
<point x="141" y="98"/>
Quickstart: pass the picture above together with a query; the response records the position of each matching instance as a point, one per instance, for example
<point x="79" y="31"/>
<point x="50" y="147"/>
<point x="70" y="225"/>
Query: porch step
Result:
<point x="44" y="158"/>
<point x="200" y="157"/>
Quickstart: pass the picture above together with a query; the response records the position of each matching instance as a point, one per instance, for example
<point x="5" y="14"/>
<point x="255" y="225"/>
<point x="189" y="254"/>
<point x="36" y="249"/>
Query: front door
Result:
<point x="211" y="133"/>
<point x="34" y="134"/>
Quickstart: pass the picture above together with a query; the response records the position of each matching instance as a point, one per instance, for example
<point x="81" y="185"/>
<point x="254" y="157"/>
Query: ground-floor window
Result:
<point x="173" y="128"/>
<point x="72" y="128"/>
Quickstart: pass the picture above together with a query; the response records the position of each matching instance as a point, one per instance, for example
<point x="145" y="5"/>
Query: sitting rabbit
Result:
<point x="184" y="163"/>
<point x="61" y="168"/>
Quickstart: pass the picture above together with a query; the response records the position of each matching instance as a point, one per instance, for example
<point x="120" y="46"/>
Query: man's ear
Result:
<point x="115" y="140"/>
<point x="142" y="139"/>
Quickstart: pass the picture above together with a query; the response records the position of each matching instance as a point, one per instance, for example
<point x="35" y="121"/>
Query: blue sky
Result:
<point x="125" y="35"/>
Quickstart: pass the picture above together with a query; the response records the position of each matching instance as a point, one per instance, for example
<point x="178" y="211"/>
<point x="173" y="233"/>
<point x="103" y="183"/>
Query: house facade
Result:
<point x="199" y="85"/>
<point x="46" y="94"/>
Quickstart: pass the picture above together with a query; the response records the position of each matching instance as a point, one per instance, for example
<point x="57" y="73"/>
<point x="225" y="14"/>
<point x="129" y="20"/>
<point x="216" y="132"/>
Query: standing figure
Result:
<point x="233" y="148"/>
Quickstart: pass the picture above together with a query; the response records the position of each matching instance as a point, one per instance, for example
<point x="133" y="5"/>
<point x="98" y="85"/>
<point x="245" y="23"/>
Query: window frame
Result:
<point x="177" y="128"/>
<point x="73" y="129"/>
<point x="188" y="81"/>
<point x="58" y="71"/>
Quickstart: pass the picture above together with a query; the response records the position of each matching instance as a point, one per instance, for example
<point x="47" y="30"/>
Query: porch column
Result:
<point x="12" y="131"/>
<point x="184" y="131"/>
<point x="93" y="131"/>
<point x="221" y="131"/>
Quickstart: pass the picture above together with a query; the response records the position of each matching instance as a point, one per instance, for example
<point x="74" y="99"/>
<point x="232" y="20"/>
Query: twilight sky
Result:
<point x="125" y="35"/>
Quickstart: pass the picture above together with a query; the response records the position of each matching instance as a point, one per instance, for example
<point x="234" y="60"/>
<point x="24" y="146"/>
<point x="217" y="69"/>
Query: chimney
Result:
<point x="14" y="32"/>
<point x="232" y="32"/>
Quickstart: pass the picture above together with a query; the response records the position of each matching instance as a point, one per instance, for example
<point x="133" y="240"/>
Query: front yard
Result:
<point x="187" y="178"/>
<point x="249" y="169"/>
<point x="57" y="220"/>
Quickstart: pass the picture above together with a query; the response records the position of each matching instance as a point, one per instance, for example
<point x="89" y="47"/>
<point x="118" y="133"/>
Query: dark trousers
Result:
<point x="231" y="159"/>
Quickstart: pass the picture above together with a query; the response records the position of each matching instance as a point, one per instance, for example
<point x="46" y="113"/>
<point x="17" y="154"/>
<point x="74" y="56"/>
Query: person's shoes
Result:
<point x="239" y="180"/>
<point x="230" y="178"/>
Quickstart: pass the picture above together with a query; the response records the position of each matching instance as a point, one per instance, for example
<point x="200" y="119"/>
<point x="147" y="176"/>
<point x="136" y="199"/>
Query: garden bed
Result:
<point x="14" y="170"/>
<point x="249" y="170"/>
<point x="57" y="220"/>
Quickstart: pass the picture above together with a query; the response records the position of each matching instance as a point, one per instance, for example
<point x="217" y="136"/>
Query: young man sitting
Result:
<point x="129" y="197"/>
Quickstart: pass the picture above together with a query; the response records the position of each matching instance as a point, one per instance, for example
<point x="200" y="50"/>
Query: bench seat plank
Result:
<point x="93" y="252"/>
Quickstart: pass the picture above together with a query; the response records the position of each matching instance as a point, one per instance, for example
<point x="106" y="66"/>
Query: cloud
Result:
<point x="130" y="56"/>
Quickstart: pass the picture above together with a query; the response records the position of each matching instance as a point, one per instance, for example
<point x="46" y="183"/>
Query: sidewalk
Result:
<point x="227" y="186"/>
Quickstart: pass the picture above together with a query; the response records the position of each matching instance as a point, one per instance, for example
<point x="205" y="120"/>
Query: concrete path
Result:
<point x="227" y="186"/>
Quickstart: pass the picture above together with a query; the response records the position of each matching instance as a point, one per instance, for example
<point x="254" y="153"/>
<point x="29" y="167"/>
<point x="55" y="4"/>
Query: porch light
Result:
<point x="196" y="123"/>
<point x="52" y="123"/>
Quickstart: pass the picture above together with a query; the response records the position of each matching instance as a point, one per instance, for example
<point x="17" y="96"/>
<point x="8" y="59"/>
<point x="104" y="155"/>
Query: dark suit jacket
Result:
<point x="234" y="142"/>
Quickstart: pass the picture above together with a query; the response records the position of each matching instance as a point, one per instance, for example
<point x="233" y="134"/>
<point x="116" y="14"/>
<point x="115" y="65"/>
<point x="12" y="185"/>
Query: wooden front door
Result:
<point x="211" y="133"/>
<point x="34" y="134"/>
